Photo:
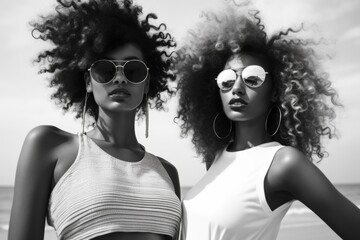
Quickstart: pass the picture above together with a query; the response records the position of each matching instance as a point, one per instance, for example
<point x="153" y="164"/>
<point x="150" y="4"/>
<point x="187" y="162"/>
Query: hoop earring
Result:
<point x="146" y="117"/>
<point x="278" y="119"/>
<point x="83" y="114"/>
<point x="216" y="129"/>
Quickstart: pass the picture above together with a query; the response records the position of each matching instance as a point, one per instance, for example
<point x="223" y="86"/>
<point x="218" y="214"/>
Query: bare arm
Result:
<point x="306" y="183"/>
<point x="32" y="186"/>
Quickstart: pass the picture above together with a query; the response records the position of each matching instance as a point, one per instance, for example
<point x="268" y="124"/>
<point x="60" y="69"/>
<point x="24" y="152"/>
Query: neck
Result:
<point x="249" y="134"/>
<point x="116" y="128"/>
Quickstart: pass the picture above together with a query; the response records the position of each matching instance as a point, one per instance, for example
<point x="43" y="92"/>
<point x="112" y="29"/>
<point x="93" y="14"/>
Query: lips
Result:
<point x="237" y="102"/>
<point x="119" y="92"/>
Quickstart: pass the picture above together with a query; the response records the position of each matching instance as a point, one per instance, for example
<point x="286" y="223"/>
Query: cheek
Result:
<point x="99" y="92"/>
<point x="225" y="98"/>
<point x="139" y="97"/>
<point x="138" y="92"/>
<point x="267" y="94"/>
<point x="222" y="97"/>
<point x="261" y="101"/>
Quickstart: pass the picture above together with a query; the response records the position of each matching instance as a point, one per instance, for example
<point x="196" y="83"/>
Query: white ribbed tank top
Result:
<point x="100" y="194"/>
<point x="229" y="202"/>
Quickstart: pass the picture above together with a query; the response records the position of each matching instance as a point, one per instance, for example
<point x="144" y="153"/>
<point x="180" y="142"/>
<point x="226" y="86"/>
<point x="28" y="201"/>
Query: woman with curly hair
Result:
<point x="257" y="107"/>
<point x="108" y="64"/>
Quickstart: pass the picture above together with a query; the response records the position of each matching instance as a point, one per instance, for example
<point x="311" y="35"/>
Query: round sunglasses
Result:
<point x="253" y="76"/>
<point x="104" y="70"/>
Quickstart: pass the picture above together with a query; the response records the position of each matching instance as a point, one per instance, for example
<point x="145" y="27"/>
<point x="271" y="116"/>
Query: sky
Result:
<point x="25" y="97"/>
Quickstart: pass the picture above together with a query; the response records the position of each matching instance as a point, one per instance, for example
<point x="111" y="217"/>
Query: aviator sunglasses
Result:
<point x="253" y="76"/>
<point x="104" y="70"/>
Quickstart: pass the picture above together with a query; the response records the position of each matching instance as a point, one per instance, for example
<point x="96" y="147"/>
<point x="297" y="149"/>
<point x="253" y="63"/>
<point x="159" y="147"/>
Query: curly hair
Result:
<point x="302" y="90"/>
<point x="82" y="32"/>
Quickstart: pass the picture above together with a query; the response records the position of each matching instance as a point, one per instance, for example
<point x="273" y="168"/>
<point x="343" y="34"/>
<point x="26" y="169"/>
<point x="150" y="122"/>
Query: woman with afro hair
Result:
<point x="257" y="107"/>
<point x="108" y="65"/>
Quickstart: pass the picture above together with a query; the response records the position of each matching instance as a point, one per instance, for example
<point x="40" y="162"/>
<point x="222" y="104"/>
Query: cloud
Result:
<point x="352" y="34"/>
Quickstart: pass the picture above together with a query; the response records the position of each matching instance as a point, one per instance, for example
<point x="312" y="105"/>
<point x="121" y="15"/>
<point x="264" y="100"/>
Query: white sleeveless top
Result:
<point x="229" y="202"/>
<point x="100" y="194"/>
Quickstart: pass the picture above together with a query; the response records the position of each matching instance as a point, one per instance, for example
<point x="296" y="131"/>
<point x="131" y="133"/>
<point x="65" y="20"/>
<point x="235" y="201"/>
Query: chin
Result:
<point x="120" y="107"/>
<point x="236" y="117"/>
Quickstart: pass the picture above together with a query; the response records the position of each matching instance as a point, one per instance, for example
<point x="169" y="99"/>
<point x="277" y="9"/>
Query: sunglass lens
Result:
<point x="103" y="71"/>
<point x="253" y="76"/>
<point x="135" y="71"/>
<point x="226" y="79"/>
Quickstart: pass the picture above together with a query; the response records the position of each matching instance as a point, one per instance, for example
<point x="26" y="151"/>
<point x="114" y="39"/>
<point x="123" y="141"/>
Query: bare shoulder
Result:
<point x="45" y="140"/>
<point x="288" y="157"/>
<point x="48" y="135"/>
<point x="288" y="162"/>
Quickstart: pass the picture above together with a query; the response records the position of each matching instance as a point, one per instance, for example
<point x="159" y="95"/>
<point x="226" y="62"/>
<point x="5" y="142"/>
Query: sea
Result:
<point x="299" y="223"/>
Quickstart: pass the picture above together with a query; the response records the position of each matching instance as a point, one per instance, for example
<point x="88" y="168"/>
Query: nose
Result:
<point x="119" y="76"/>
<point x="239" y="86"/>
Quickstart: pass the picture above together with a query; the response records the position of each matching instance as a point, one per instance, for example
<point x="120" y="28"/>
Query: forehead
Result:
<point x="128" y="51"/>
<point x="242" y="60"/>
